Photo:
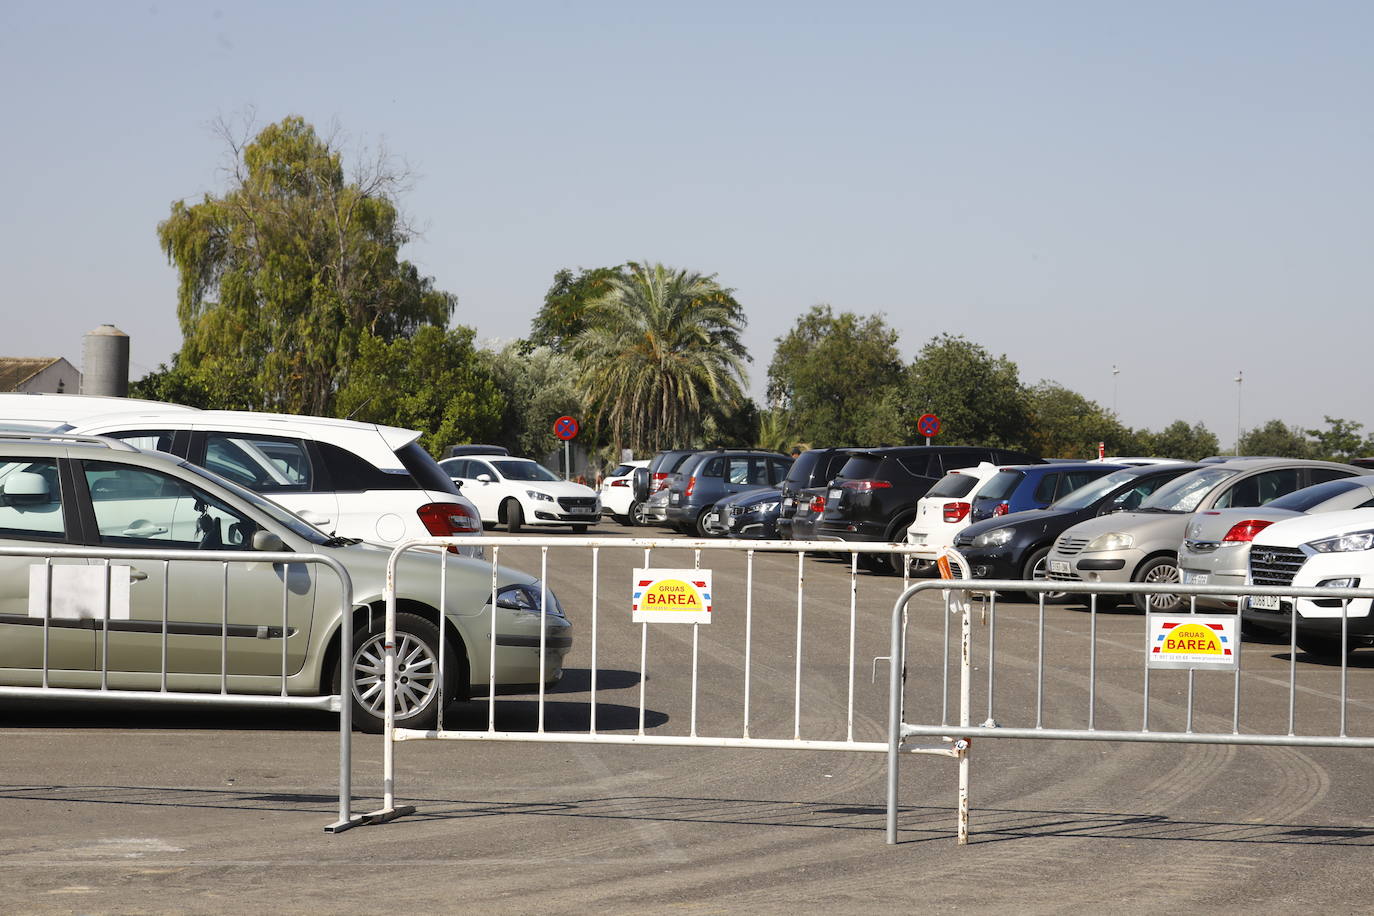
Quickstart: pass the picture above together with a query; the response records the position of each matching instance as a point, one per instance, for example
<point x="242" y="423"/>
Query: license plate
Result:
<point x="835" y="495"/>
<point x="1265" y="602"/>
<point x="581" y="510"/>
<point x="1194" y="578"/>
<point x="1059" y="566"/>
<point x="918" y="538"/>
<point x="787" y="503"/>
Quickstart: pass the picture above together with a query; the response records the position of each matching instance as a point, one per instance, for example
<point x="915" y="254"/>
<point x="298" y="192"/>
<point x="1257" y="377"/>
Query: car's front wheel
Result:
<point x="515" y="516"/>
<point x="1161" y="570"/>
<point x="417" y="674"/>
<point x="1037" y="570"/>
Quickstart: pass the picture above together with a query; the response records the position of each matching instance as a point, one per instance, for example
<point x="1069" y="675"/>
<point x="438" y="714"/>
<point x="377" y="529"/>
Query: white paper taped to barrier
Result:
<point x="78" y="592"/>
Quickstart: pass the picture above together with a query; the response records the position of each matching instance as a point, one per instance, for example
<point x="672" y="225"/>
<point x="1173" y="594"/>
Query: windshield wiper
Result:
<point x="341" y="542"/>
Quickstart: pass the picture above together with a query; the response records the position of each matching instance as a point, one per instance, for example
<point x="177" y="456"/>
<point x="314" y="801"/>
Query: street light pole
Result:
<point x="1240" y="377"/>
<point x="1115" y="373"/>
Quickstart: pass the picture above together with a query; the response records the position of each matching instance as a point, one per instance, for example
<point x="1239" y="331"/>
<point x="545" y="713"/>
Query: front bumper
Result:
<point x="996" y="563"/>
<point x="1098" y="566"/>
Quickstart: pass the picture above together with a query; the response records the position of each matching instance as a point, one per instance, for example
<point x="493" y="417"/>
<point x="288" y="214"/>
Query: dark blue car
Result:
<point x="1033" y="486"/>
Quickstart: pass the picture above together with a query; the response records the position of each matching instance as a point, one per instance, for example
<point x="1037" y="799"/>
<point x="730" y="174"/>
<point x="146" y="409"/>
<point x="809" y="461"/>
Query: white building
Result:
<point x="42" y="375"/>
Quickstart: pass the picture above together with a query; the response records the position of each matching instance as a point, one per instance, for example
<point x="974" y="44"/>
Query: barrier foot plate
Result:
<point x="383" y="815"/>
<point x="356" y="820"/>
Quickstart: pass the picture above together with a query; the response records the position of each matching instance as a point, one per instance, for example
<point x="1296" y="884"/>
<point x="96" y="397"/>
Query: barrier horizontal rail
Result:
<point x="988" y="592"/>
<point x="643" y="736"/>
<point x="224" y="697"/>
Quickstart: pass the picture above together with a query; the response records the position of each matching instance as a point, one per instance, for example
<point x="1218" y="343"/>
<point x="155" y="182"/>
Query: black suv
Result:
<point x="874" y="497"/>
<point x="811" y="473"/>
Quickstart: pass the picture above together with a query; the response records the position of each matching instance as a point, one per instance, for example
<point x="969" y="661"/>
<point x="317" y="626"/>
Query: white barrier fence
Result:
<point x="182" y="655"/>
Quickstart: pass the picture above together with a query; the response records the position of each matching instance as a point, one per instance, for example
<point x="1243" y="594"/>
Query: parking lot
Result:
<point x="134" y="810"/>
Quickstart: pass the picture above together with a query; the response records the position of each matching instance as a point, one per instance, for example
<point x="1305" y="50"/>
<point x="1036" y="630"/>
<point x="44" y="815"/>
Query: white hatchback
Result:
<point x="516" y="492"/>
<point x="618" y="494"/>
<point x="946" y="510"/>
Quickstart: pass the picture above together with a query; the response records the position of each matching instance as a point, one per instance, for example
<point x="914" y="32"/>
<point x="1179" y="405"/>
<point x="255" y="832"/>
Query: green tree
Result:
<point x="978" y="397"/>
<point x="1340" y="441"/>
<point x="1179" y="440"/>
<point x="1276" y="438"/>
<point x="659" y="349"/>
<point x="281" y="277"/>
<point x="1064" y="424"/>
<point x="433" y="381"/>
<point x="538" y="385"/>
<point x="564" y="313"/>
<point x="839" y="378"/>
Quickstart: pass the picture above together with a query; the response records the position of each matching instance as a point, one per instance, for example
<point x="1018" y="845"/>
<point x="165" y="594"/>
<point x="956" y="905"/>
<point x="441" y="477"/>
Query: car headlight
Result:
<point x="1112" y="540"/>
<point x="528" y="598"/>
<point x="536" y="494"/>
<point x="1345" y="543"/>
<point x="994" y="538"/>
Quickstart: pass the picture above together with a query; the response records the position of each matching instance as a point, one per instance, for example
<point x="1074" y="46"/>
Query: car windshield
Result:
<point x="1308" y="498"/>
<point x="1094" y="490"/>
<point x="525" y="470"/>
<point x="278" y="514"/>
<point x="1185" y="493"/>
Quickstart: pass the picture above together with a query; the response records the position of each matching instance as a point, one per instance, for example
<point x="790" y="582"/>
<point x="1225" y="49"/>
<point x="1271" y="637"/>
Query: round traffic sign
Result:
<point x="928" y="425"/>
<point x="565" y="428"/>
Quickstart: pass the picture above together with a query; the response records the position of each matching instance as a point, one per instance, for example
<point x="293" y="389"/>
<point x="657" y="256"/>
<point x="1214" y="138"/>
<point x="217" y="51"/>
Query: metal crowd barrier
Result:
<point x="587" y="639"/>
<point x="997" y="724"/>
<point x="225" y="696"/>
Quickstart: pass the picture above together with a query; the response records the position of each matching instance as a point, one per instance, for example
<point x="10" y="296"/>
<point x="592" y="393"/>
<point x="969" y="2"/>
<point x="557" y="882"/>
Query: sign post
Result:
<point x="566" y="429"/>
<point x="929" y="426"/>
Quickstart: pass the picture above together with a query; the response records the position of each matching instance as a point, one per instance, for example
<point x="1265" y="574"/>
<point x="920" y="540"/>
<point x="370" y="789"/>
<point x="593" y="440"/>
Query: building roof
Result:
<point x="15" y="371"/>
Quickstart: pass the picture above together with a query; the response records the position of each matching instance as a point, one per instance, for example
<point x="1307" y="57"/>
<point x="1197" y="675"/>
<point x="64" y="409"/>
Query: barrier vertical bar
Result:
<point x="643" y="655"/>
<point x="224" y="630"/>
<point x="1145" y="660"/>
<point x="166" y="616"/>
<point x="285" y="620"/>
<point x="1189" y="722"/>
<point x="796" y="696"/>
<point x="992" y="649"/>
<point x="1293" y="673"/>
<point x="1092" y="662"/>
<point x="1040" y="665"/>
<point x="965" y="704"/>
<point x="895" y="684"/>
<point x="1345" y="657"/>
<point x="105" y="633"/>
<point x="853" y="617"/>
<point x="491" y="645"/>
<point x="749" y="634"/>
<point x="47" y="617"/>
<point x="596" y="614"/>
<point x="441" y="696"/>
<point x="543" y="628"/>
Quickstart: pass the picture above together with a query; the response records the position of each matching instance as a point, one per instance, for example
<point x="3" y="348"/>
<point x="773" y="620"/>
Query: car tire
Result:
<point x="1035" y="570"/>
<point x="1159" y="570"/>
<point x="417" y="674"/>
<point x="515" y="516"/>
<point x="635" y="517"/>
<point x="700" y="527"/>
<point x="1321" y="647"/>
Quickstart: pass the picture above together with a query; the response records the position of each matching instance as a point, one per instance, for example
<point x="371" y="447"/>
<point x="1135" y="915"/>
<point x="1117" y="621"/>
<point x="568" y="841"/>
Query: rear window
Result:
<point x="425" y="469"/>
<point x="1001" y="485"/>
<point x="351" y="474"/>
<point x="621" y="470"/>
<point x="861" y="467"/>
<point x="953" y="486"/>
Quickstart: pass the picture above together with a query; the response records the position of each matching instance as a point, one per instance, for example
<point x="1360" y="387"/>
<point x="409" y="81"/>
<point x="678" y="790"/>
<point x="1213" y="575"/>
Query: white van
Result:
<point x="347" y="478"/>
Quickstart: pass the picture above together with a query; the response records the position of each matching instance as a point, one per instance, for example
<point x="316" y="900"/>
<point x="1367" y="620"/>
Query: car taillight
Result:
<point x="1246" y="530"/>
<point x="448" y="519"/>
<point x="622" y="482"/>
<point x="660" y="480"/>
<point x="691" y="482"/>
<point x="1001" y="508"/>
<point x="817" y="505"/>
<point x="956" y="512"/>
<point x="864" y="486"/>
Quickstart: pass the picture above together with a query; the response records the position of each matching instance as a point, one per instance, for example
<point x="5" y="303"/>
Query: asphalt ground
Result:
<point x="144" y="810"/>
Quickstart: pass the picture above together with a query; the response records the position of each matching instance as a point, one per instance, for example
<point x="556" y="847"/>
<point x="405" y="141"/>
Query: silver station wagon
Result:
<point x="92" y="493"/>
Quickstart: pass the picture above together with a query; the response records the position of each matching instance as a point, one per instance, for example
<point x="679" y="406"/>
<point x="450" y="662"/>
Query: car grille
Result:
<point x="1275" y="565"/>
<point x="1063" y="577"/>
<point x="1070" y="546"/>
<point x="571" y="502"/>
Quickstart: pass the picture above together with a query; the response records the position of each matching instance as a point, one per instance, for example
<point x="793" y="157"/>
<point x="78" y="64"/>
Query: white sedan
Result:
<point x="518" y="492"/>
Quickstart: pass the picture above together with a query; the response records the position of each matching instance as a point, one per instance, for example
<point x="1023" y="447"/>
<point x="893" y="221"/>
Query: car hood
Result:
<point x="1149" y="529"/>
<point x="1303" y="529"/>
<point x="1213" y="524"/>
<point x="554" y="488"/>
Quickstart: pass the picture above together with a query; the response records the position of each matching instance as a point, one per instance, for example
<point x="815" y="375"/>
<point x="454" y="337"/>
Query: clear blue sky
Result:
<point x="1180" y="189"/>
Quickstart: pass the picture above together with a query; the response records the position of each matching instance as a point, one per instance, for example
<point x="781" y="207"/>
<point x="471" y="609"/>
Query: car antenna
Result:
<point x="354" y="412"/>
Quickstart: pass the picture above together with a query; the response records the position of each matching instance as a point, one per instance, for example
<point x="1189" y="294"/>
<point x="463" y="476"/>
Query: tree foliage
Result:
<point x="1340" y="441"/>
<point x="1064" y="424"/>
<point x="1276" y="439"/>
<point x="839" y="378"/>
<point x="978" y="397"/>
<point x="659" y="349"/>
<point x="564" y="313"/>
<point x="537" y="385"/>
<point x="432" y="381"/>
<point x="283" y="276"/>
<point x="1179" y="440"/>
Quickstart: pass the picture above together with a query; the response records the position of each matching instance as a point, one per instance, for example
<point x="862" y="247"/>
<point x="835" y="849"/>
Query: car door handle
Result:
<point x="136" y="574"/>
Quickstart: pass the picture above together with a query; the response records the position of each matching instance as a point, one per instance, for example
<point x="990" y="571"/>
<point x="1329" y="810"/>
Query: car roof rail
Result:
<point x="106" y="441"/>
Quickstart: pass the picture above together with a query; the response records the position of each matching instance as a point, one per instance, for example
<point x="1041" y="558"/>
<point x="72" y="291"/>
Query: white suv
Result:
<point x="347" y="478"/>
<point x="517" y="491"/>
<point x="618" y="494"/>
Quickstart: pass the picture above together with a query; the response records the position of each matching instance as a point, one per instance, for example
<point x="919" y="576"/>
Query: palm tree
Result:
<point x="659" y="345"/>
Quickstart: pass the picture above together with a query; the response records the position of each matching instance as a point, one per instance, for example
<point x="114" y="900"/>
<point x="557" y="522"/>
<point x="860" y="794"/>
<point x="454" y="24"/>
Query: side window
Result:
<point x="137" y="507"/>
<point x="779" y="470"/>
<point x="758" y="472"/>
<point x="1322" y="475"/>
<point x="456" y="467"/>
<point x="1073" y="480"/>
<point x="481" y="467"/>
<point x="713" y="468"/>
<point x="158" y="440"/>
<point x="267" y="464"/>
<point x="30" y="499"/>
<point x="1261" y="488"/>
<point x="1133" y="497"/>
<point x="919" y="465"/>
<point x="1044" y="493"/>
<point x="738" y="470"/>
<point x="349" y="473"/>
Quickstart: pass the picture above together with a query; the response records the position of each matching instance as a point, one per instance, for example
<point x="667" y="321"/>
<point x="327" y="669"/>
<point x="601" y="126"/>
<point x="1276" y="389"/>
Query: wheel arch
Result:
<point x="373" y="614"/>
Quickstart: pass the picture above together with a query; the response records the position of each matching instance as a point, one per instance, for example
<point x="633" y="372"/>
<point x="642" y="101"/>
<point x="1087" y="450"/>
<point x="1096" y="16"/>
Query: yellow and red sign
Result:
<point x="1193" y="641"/>
<point x="671" y="596"/>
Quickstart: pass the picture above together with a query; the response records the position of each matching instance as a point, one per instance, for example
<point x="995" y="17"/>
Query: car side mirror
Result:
<point x="484" y="478"/>
<point x="268" y="541"/>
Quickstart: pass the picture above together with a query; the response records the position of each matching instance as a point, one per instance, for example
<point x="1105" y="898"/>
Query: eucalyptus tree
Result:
<point x="660" y="350"/>
<point x="282" y="276"/>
